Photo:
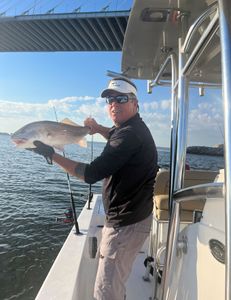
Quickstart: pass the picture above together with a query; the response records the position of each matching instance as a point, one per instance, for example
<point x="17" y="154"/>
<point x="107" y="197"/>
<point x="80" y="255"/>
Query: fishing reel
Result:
<point x="68" y="219"/>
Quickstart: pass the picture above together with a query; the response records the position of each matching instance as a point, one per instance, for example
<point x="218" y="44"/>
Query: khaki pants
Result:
<point x="118" y="250"/>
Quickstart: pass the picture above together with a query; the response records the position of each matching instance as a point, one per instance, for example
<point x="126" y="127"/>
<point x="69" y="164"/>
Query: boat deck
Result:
<point x="72" y="275"/>
<point x="136" y="287"/>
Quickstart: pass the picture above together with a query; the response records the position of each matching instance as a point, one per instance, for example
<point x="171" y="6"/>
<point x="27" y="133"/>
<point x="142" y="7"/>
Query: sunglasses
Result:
<point x="119" y="99"/>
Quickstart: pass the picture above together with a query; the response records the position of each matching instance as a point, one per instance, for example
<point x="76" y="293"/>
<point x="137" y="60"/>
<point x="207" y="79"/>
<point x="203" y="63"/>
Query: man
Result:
<point x="128" y="165"/>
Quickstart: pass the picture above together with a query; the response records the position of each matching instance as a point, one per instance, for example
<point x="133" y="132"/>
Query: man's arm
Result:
<point x="97" y="128"/>
<point x="72" y="167"/>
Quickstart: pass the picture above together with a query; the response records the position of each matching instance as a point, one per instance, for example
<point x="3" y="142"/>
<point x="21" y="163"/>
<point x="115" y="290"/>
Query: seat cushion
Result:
<point x="162" y="215"/>
<point x="161" y="202"/>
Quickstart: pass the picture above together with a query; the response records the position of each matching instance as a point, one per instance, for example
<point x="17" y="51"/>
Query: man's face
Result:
<point x="121" y="112"/>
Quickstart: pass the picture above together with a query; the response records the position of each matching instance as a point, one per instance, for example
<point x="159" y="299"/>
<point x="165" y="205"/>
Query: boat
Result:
<point x="181" y="44"/>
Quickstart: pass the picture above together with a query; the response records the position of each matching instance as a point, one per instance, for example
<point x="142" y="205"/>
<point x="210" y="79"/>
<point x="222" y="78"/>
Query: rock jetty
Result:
<point x="203" y="150"/>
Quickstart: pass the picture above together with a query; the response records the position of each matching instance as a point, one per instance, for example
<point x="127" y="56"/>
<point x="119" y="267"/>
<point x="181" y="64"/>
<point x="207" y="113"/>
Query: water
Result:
<point x="33" y="194"/>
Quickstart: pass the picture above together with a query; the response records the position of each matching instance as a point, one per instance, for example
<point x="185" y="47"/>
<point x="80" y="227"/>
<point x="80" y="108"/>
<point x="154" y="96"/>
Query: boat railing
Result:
<point x="225" y="36"/>
<point x="171" y="58"/>
<point x="195" y="26"/>
<point x="202" y="191"/>
<point x="201" y="44"/>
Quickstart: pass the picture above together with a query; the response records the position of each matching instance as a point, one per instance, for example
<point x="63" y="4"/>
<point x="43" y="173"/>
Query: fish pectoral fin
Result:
<point x="69" y="122"/>
<point x="82" y="142"/>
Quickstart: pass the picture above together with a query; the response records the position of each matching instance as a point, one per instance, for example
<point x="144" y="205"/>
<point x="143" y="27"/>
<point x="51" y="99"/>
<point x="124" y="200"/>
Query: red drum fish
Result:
<point x="55" y="134"/>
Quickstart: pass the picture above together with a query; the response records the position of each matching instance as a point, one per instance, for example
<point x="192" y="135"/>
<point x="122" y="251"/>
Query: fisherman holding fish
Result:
<point x="128" y="165"/>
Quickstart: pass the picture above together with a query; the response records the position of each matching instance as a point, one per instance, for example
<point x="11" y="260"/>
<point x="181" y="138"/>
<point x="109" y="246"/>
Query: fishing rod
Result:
<point x="90" y="194"/>
<point x="70" y="191"/>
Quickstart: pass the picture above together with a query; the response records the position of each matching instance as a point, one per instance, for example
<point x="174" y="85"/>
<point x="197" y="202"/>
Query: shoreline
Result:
<point x="204" y="150"/>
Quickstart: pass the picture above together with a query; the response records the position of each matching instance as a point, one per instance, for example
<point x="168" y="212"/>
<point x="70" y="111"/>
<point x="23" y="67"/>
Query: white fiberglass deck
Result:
<point x="137" y="288"/>
<point x="72" y="275"/>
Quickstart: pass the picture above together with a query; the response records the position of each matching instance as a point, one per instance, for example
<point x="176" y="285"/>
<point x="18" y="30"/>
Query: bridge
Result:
<point x="33" y="30"/>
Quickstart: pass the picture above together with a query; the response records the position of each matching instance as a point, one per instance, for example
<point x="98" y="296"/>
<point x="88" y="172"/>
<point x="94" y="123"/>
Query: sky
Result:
<point x="33" y="84"/>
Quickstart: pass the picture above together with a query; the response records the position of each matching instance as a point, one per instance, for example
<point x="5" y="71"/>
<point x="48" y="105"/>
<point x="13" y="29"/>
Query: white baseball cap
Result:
<point x="121" y="85"/>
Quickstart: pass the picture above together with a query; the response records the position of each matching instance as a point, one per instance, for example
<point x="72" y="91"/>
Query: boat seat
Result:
<point x="161" y="189"/>
<point x="185" y="215"/>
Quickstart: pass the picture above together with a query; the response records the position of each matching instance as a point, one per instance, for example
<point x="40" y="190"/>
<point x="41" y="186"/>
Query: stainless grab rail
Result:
<point x="193" y="84"/>
<point x="214" y="189"/>
<point x="196" y="25"/>
<point x="225" y="34"/>
<point x="201" y="45"/>
<point x="174" y="116"/>
<point x="171" y="58"/>
<point x="177" y="167"/>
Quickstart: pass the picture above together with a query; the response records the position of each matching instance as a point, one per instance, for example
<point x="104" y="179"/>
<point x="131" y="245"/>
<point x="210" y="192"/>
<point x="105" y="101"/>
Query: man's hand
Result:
<point x="94" y="126"/>
<point x="97" y="128"/>
<point x="44" y="150"/>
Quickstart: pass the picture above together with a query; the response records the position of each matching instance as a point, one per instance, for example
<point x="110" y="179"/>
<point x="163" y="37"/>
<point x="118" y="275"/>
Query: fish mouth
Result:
<point x="19" y="141"/>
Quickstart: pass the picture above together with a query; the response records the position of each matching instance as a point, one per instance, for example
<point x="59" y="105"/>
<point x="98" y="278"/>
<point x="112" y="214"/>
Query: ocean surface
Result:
<point x="33" y="195"/>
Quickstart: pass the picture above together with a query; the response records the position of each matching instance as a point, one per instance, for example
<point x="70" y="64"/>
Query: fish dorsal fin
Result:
<point x="82" y="142"/>
<point x="69" y="122"/>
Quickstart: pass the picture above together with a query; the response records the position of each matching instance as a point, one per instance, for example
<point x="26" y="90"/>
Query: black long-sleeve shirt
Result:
<point x="128" y="165"/>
